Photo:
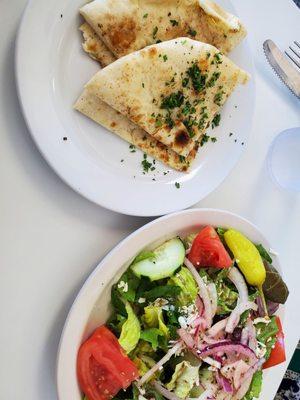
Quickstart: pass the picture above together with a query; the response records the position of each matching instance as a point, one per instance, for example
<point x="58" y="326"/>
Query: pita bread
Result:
<point x="95" y="47"/>
<point x="129" y="25"/>
<point x="172" y="90"/>
<point x="91" y="106"/>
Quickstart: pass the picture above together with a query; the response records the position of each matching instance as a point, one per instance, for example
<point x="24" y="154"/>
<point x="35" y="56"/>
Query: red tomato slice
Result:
<point x="208" y="250"/>
<point x="102" y="366"/>
<point x="278" y="352"/>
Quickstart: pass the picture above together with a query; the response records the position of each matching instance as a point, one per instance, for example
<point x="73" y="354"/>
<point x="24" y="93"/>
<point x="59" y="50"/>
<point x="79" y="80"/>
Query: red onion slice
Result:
<point x="224" y="383"/>
<point x="227" y="347"/>
<point x="217" y="328"/>
<point x="203" y="292"/>
<point x="234" y="317"/>
<point x="247" y="378"/>
<point x="186" y="337"/>
<point x="160" y="363"/>
<point x="165" y="392"/>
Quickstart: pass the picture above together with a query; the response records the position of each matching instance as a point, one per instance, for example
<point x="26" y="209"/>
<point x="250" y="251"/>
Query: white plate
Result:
<point x="91" y="307"/>
<point x="51" y="69"/>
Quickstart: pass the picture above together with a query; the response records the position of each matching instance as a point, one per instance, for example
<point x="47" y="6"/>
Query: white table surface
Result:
<point x="51" y="238"/>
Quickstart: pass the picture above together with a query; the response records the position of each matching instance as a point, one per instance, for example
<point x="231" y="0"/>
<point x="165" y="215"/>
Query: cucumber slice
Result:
<point x="166" y="259"/>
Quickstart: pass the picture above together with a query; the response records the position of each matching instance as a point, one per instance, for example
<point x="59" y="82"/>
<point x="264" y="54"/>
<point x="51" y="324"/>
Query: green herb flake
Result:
<point x="185" y="82"/>
<point x="145" y="15"/>
<point x="198" y="79"/>
<point x="213" y="79"/>
<point x="216" y="121"/>
<point x="213" y="139"/>
<point x="132" y="148"/>
<point x="146" y="164"/>
<point x="143" y="85"/>
<point x="154" y="33"/>
<point x="205" y="138"/>
<point x="177" y="185"/>
<point x="218" y="58"/>
<point x="192" y="32"/>
<point x="165" y="57"/>
<point x="218" y="98"/>
<point x="174" y="22"/>
<point x="172" y="101"/>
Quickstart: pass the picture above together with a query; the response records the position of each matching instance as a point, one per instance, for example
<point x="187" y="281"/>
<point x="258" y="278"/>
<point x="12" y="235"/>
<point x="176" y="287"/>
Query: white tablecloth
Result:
<point x="51" y="238"/>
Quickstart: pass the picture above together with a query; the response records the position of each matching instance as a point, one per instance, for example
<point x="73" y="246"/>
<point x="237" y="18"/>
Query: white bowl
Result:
<point x="91" y="308"/>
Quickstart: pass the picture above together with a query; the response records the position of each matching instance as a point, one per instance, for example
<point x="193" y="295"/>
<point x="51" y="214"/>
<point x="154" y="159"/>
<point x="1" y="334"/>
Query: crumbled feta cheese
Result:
<point x="160" y="302"/>
<point x="260" y="319"/>
<point x="123" y="285"/>
<point x="260" y="350"/>
<point x="141" y="300"/>
<point x="172" y="307"/>
<point x="182" y="322"/>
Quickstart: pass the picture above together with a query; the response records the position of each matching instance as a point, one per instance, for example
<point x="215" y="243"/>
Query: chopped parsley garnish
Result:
<point x="132" y="148"/>
<point x="173" y="100"/>
<point x="174" y="22"/>
<point x="205" y="138"/>
<point x="122" y="160"/>
<point x="143" y="85"/>
<point x="188" y="109"/>
<point x="189" y="123"/>
<point x="192" y="32"/>
<point x="207" y="55"/>
<point x="154" y="33"/>
<point x="198" y="79"/>
<point x="181" y="158"/>
<point x="146" y="164"/>
<point x="203" y="121"/>
<point x="177" y="185"/>
<point x="218" y="98"/>
<point x="212" y="80"/>
<point x="213" y="139"/>
<point x="145" y="15"/>
<point x="230" y="134"/>
<point x="218" y="58"/>
<point x="185" y="82"/>
<point x="158" y="121"/>
<point x="216" y="121"/>
<point x="169" y="120"/>
<point x="165" y="57"/>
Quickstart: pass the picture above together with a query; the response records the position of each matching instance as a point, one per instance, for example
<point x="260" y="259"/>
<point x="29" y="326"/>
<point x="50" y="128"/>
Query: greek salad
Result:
<point x="193" y="318"/>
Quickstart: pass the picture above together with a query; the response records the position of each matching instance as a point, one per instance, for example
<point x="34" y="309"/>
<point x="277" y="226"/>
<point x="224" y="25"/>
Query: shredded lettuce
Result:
<point x="266" y="334"/>
<point x="188" y="240"/>
<point x="185" y="281"/>
<point x="166" y="292"/>
<point x="143" y="363"/>
<point x="183" y="379"/>
<point x="255" y="387"/>
<point x="131" y="330"/>
<point x="153" y="318"/>
<point x="151" y="335"/>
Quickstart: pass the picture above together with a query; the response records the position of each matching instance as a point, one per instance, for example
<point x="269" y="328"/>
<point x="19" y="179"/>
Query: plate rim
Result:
<point x="187" y="200"/>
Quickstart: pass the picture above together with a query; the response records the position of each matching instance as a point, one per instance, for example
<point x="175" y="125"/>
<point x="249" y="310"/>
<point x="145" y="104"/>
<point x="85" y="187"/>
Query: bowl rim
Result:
<point x="128" y="239"/>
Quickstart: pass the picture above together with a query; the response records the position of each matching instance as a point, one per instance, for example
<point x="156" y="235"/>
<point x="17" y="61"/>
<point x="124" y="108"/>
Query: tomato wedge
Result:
<point x="278" y="352"/>
<point x="102" y="366"/>
<point x="208" y="250"/>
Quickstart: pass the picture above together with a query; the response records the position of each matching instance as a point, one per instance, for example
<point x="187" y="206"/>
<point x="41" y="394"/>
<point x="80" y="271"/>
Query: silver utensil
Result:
<point x="289" y="75"/>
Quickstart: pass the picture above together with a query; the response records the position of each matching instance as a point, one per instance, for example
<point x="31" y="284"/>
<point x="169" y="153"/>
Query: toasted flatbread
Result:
<point x="94" y="108"/>
<point x="95" y="47"/>
<point x="172" y="90"/>
<point x="129" y="25"/>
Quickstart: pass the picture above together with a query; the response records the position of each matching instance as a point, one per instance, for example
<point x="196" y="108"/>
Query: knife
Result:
<point x="282" y="67"/>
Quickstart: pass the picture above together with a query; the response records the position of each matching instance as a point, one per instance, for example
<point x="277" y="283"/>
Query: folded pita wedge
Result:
<point x="94" y="108"/>
<point x="129" y="25"/>
<point x="172" y="90"/>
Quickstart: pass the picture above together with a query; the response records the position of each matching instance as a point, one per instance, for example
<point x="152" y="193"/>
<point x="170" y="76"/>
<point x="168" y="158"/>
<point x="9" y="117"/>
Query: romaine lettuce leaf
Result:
<point x="131" y="330"/>
<point x="166" y="292"/>
<point x="127" y="285"/>
<point x="151" y="335"/>
<point x="153" y="318"/>
<point x="185" y="281"/>
<point x="183" y="379"/>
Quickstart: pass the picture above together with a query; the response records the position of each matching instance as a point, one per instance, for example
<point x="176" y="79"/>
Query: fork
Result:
<point x="292" y="53"/>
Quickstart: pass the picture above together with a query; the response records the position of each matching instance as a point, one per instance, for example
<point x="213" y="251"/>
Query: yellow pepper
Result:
<point x="247" y="257"/>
